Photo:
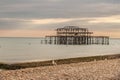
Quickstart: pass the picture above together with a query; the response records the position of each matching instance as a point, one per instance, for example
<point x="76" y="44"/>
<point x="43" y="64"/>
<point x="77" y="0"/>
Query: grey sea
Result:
<point x="14" y="50"/>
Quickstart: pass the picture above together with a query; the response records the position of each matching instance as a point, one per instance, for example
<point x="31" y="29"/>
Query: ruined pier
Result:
<point x="73" y="35"/>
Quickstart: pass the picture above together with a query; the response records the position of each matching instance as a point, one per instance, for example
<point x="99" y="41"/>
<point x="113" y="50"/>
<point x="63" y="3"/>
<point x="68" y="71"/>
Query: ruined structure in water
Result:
<point x="73" y="35"/>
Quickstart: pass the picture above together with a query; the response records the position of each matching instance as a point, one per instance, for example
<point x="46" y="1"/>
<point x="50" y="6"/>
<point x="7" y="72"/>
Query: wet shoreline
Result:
<point x="56" y="62"/>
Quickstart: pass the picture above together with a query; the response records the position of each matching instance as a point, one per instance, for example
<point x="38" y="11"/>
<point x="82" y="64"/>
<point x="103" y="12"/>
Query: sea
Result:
<point x="17" y="50"/>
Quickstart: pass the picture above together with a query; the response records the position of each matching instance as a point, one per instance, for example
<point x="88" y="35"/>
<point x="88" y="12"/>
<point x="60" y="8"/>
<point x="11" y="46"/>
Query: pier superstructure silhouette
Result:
<point x="74" y="35"/>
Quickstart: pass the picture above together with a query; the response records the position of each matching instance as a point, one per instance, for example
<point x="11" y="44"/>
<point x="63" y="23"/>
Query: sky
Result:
<point x="36" y="18"/>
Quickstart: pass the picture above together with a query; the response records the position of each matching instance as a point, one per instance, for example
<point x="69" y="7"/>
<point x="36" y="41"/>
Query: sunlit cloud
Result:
<point x="36" y="27"/>
<point x="109" y="19"/>
<point x="31" y="17"/>
<point x="50" y="21"/>
<point x="40" y="21"/>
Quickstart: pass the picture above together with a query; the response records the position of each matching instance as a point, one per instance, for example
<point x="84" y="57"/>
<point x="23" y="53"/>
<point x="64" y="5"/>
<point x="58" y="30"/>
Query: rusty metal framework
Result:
<point x="73" y="35"/>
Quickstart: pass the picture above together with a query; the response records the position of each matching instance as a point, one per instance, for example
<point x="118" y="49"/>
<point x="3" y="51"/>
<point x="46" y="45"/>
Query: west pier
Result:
<point x="74" y="35"/>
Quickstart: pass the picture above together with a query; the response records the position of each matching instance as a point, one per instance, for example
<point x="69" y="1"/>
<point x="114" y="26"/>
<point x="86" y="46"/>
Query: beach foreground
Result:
<point x="95" y="70"/>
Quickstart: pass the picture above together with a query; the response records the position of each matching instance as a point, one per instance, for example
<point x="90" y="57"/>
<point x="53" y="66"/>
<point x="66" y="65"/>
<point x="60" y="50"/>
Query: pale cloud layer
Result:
<point x="109" y="19"/>
<point x="37" y="15"/>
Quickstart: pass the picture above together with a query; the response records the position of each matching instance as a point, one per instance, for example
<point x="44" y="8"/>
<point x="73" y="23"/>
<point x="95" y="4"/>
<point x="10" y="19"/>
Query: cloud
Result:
<point x="58" y="8"/>
<point x="50" y="23"/>
<point x="97" y="15"/>
<point x="38" y="21"/>
<point x="110" y="19"/>
<point x="18" y="23"/>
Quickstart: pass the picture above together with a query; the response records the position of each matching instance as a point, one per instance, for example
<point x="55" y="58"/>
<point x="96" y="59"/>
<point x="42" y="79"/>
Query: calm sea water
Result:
<point x="30" y="49"/>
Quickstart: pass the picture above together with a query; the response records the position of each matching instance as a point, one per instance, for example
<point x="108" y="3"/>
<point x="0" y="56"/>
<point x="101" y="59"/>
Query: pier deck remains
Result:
<point x="73" y="35"/>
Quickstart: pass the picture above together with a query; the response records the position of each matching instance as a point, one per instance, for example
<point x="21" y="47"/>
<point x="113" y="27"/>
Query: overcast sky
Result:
<point x="35" y="18"/>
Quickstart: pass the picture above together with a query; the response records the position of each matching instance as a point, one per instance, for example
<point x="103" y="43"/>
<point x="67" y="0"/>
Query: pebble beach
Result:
<point x="95" y="70"/>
